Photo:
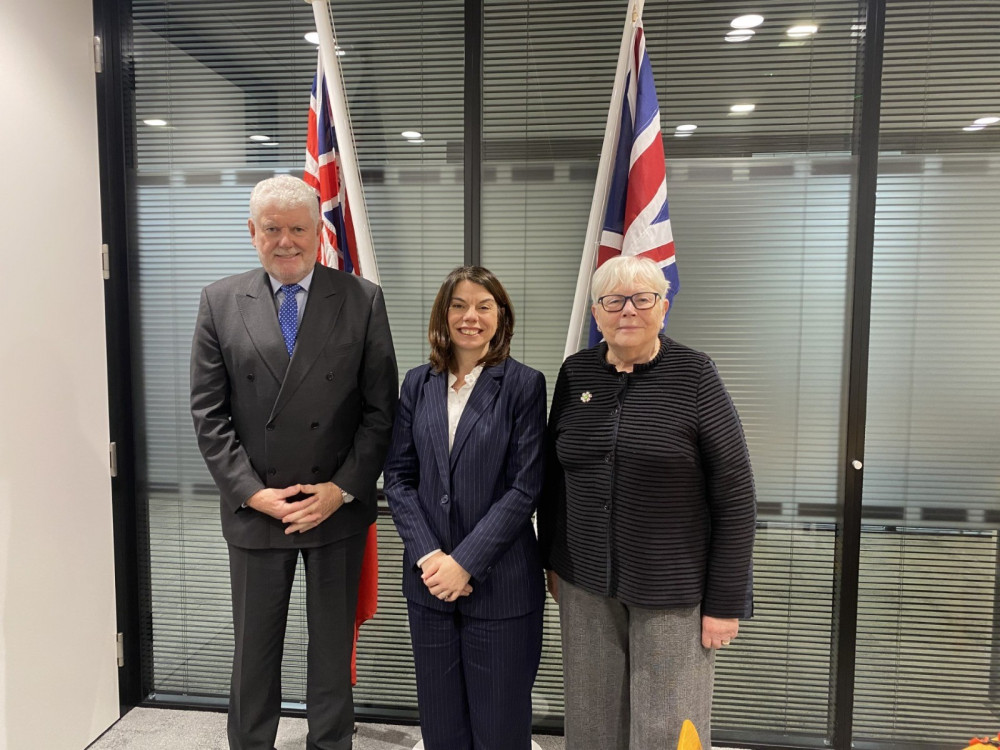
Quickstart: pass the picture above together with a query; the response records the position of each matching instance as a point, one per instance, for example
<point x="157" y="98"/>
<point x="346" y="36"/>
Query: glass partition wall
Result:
<point x="764" y="210"/>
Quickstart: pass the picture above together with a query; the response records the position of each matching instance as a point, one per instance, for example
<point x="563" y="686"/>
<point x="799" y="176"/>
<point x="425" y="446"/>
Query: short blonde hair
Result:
<point x="628" y="271"/>
<point x="285" y="192"/>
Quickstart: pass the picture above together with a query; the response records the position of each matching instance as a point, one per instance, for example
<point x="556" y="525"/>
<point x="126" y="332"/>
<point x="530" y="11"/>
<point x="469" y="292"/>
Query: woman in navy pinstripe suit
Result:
<point x="463" y="479"/>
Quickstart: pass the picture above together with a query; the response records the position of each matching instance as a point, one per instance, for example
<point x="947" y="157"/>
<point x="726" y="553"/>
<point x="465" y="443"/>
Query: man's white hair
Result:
<point x="284" y="192"/>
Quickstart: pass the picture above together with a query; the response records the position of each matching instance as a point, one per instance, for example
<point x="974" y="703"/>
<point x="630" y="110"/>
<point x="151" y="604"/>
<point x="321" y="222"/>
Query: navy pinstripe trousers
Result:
<point x="474" y="678"/>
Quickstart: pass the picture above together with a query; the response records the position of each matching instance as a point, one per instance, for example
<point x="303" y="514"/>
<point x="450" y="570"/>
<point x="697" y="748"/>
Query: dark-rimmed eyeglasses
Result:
<point x="616" y="302"/>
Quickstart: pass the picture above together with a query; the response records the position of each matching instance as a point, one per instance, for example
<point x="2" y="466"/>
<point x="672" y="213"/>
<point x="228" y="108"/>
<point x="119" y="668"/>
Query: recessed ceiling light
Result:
<point x="986" y="121"/>
<point x="972" y="128"/>
<point x="742" y="109"/>
<point x="155" y="123"/>
<point x="260" y="138"/>
<point x="749" y="21"/>
<point x="682" y="134"/>
<point x="802" y="31"/>
<point x="313" y="38"/>
<point x="411" y="134"/>
<point x="739" y="35"/>
<point x="689" y="128"/>
<point x="417" y="141"/>
<point x="269" y="143"/>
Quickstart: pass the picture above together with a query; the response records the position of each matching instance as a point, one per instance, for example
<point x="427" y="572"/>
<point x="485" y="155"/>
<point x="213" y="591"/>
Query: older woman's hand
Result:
<point x="717" y="632"/>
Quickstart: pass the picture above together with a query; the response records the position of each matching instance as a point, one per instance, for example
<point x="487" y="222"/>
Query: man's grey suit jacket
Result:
<point x="326" y="414"/>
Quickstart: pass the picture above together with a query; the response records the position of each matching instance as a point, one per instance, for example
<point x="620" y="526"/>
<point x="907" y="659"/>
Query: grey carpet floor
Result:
<point x="170" y="729"/>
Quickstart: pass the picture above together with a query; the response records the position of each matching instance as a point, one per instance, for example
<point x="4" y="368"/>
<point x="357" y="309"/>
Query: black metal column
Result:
<point x="847" y="555"/>
<point x="473" y="130"/>
<point x="116" y="138"/>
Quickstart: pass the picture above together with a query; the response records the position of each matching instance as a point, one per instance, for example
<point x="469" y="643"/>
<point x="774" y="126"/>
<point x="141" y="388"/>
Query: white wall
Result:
<point x="58" y="674"/>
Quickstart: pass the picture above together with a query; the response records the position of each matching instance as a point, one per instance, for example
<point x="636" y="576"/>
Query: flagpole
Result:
<point x="601" y="187"/>
<point x="345" y="140"/>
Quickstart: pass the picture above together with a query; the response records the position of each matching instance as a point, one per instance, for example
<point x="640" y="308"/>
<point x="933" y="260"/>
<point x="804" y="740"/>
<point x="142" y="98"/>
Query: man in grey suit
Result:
<point x="293" y="391"/>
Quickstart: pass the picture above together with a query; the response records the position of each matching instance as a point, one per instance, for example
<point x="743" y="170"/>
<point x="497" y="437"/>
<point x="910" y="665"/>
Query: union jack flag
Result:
<point x="338" y="249"/>
<point x="323" y="171"/>
<point x="636" y="219"/>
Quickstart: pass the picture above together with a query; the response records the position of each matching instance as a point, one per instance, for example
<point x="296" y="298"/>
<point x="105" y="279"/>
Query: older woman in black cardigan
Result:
<point x="647" y="522"/>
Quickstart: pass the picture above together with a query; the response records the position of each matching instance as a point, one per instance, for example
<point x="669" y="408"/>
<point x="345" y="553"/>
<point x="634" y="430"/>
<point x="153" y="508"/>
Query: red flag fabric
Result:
<point x="367" y="594"/>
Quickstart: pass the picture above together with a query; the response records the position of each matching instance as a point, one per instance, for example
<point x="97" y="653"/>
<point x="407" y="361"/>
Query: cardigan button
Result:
<point x="444" y="499"/>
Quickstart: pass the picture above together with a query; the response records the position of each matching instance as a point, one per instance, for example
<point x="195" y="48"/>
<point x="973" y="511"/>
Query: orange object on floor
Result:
<point x="689" y="737"/>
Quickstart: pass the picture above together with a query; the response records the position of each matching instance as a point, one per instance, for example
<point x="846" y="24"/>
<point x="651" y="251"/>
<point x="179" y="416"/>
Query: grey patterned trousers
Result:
<point x="632" y="675"/>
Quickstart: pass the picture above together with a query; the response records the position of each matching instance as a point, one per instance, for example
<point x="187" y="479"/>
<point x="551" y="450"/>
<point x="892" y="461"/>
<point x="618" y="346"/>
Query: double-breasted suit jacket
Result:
<point x="476" y="502"/>
<point x="266" y="420"/>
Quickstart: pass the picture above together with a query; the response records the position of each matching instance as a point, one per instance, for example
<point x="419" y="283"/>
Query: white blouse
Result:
<point x="458" y="399"/>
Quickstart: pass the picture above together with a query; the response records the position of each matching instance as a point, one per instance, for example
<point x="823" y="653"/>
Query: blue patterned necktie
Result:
<point x="288" y="315"/>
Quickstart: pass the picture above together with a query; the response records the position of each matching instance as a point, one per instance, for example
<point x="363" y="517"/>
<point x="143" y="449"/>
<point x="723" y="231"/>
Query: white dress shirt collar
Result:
<point x="276" y="285"/>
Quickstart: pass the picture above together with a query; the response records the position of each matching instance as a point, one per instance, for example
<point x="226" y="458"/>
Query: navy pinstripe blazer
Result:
<point x="475" y="503"/>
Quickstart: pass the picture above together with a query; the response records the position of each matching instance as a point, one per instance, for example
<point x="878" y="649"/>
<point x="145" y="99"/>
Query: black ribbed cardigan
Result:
<point x="649" y="494"/>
